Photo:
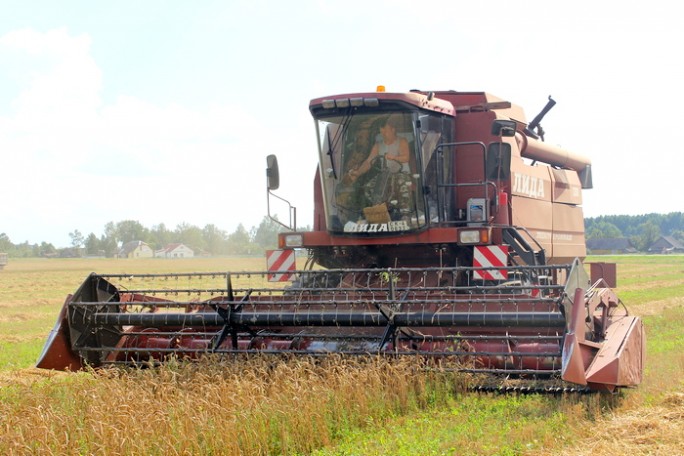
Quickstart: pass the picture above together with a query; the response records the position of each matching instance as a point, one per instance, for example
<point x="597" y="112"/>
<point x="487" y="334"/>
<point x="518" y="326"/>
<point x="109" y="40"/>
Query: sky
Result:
<point x="165" y="111"/>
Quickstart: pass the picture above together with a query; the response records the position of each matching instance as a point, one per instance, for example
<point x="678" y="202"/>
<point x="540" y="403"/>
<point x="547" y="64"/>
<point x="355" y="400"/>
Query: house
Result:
<point x="136" y="249"/>
<point x="175" y="251"/>
<point x="666" y="244"/>
<point x="610" y="246"/>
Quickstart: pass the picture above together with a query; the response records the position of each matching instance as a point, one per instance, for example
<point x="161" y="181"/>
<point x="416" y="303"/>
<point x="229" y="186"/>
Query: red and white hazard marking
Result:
<point x="281" y="265"/>
<point x="491" y="256"/>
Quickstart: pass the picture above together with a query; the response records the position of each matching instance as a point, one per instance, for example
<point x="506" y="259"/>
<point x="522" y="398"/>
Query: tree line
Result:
<point x="209" y="240"/>
<point x="641" y="230"/>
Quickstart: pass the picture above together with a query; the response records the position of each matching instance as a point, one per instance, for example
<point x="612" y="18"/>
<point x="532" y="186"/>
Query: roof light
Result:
<point x="371" y="102"/>
<point x="380" y="88"/>
<point x="342" y="103"/>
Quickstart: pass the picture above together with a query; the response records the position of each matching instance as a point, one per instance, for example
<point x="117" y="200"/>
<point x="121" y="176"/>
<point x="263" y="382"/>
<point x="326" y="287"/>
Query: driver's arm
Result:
<point x="365" y="166"/>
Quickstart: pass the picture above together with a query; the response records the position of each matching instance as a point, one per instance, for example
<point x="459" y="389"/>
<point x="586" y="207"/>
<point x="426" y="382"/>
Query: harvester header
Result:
<point x="444" y="226"/>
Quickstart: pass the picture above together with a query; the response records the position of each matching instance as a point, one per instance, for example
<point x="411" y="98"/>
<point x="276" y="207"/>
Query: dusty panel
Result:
<point x="536" y="216"/>
<point x="469" y="163"/>
<point x="568" y="233"/>
<point x="566" y="186"/>
<point x="532" y="182"/>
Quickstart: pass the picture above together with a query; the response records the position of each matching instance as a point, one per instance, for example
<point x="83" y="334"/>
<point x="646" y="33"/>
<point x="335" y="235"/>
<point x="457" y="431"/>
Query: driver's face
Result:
<point x="387" y="131"/>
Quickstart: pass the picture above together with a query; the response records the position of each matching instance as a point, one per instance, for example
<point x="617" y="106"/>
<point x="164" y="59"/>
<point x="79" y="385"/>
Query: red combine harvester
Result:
<point x="443" y="227"/>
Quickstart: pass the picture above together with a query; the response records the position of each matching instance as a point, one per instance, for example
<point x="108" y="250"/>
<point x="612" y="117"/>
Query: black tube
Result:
<point x="343" y="319"/>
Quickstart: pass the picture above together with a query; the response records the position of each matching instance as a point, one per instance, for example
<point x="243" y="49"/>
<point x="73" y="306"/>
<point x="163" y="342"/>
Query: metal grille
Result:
<point x="514" y="326"/>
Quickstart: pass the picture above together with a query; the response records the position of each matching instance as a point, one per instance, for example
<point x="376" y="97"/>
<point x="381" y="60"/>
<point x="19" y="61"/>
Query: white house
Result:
<point x="175" y="251"/>
<point x="136" y="249"/>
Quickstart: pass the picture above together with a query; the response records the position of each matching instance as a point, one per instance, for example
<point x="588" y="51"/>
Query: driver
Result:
<point x="393" y="148"/>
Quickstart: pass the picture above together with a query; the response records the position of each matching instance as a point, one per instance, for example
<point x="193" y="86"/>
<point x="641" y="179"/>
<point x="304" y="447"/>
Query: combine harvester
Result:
<point x="444" y="226"/>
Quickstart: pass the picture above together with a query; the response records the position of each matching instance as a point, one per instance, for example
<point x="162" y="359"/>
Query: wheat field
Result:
<point x="330" y="406"/>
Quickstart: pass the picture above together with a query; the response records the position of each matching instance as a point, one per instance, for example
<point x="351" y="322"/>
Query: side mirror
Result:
<point x="272" y="174"/>
<point x="273" y="182"/>
<point x="498" y="163"/>
<point x="503" y="128"/>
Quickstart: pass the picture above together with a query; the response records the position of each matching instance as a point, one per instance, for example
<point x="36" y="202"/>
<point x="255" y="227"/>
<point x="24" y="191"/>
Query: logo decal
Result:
<point x="352" y="227"/>
<point x="528" y="185"/>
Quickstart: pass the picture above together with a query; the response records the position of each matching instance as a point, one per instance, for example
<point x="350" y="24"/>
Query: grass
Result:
<point x="335" y="406"/>
<point x="248" y="406"/>
<point x="470" y="424"/>
<point x="647" y="420"/>
<point x="648" y="278"/>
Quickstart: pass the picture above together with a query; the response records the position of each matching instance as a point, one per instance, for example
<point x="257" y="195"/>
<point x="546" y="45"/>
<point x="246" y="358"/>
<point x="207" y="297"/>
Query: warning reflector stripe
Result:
<point x="281" y="265"/>
<point x="491" y="256"/>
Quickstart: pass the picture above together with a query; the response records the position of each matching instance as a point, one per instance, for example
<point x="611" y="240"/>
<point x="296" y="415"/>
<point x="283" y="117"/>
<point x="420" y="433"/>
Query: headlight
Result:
<point x="469" y="236"/>
<point x="294" y="240"/>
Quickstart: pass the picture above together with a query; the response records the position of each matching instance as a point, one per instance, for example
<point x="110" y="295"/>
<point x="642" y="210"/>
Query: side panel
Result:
<point x="568" y="219"/>
<point x="566" y="186"/>
<point x="535" y="216"/>
<point x="470" y="159"/>
<point x="568" y="233"/>
<point x="546" y="201"/>
<point x="531" y="203"/>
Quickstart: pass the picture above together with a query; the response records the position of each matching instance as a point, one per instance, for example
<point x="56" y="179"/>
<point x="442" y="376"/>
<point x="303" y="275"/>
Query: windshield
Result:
<point x="373" y="168"/>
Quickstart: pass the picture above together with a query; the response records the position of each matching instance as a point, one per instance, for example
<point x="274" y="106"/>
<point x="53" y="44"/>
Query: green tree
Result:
<point x="215" y="239"/>
<point x="131" y="230"/>
<point x="46" y="249"/>
<point x="24" y="250"/>
<point x="126" y="231"/>
<point x="649" y="233"/>
<point x="109" y="245"/>
<point x="266" y="235"/>
<point x="92" y="245"/>
<point x="239" y="242"/>
<point x="77" y="239"/>
<point x="602" y="230"/>
<point x="6" y="245"/>
<point x="190" y="235"/>
<point x="160" y="236"/>
<point x="110" y="233"/>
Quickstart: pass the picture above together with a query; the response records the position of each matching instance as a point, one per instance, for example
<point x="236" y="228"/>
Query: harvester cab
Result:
<point x="420" y="179"/>
<point x="444" y="227"/>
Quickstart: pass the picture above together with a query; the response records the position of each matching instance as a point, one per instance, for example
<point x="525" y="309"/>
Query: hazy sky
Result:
<point x="164" y="111"/>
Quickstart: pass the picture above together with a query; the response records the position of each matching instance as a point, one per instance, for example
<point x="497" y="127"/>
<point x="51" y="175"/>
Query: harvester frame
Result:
<point x="444" y="227"/>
